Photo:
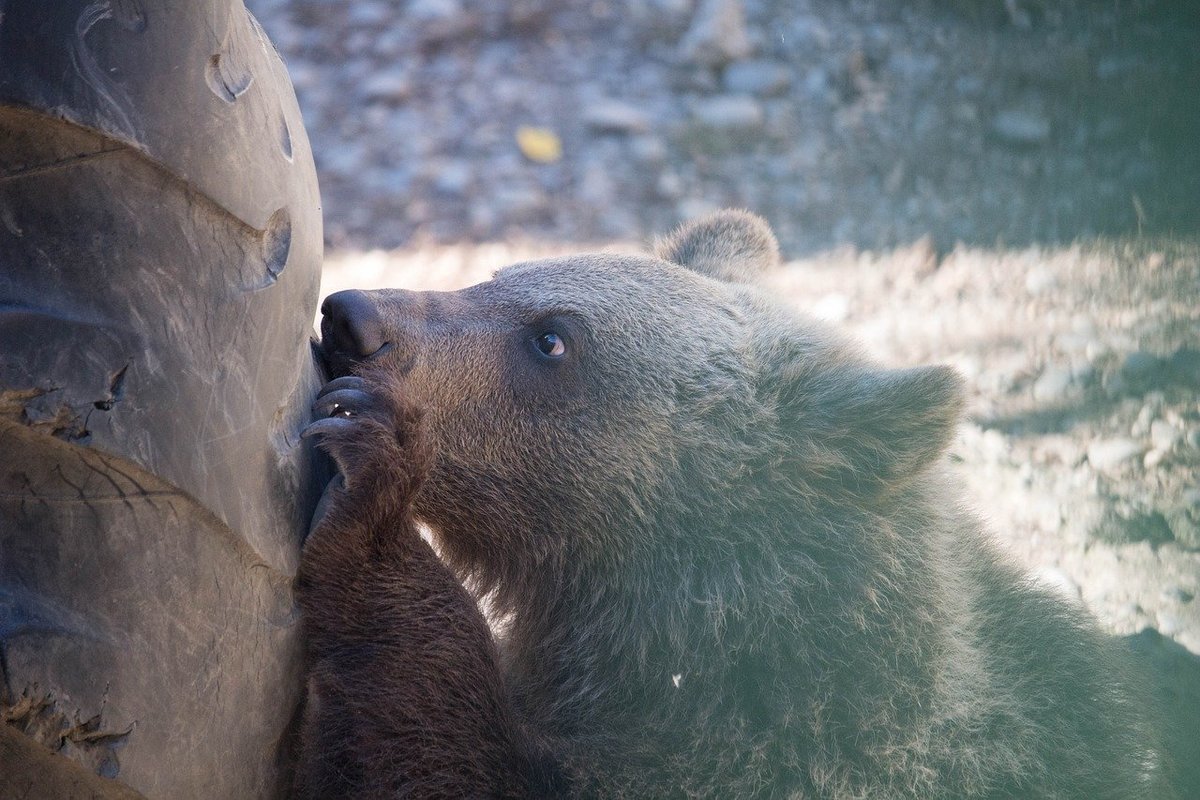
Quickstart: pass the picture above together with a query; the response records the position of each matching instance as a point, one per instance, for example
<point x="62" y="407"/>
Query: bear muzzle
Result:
<point x="351" y="330"/>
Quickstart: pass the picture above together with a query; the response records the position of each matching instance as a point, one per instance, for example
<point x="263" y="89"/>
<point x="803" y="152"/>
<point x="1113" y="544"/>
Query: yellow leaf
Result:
<point x="539" y="144"/>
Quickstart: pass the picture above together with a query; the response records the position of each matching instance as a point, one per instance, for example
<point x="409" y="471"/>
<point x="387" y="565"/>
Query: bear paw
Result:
<point x="372" y="436"/>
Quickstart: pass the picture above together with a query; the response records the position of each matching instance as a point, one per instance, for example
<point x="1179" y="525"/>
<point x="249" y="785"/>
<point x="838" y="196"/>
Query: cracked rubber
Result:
<point x="160" y="247"/>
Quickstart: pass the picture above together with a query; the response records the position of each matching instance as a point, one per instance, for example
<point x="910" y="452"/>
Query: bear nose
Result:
<point x="351" y="325"/>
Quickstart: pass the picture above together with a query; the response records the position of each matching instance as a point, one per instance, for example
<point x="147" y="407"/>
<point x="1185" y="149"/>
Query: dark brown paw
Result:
<point x="369" y="434"/>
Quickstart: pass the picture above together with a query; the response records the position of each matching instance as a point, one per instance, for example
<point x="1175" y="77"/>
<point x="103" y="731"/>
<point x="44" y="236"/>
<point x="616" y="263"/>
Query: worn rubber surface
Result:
<point x="160" y="245"/>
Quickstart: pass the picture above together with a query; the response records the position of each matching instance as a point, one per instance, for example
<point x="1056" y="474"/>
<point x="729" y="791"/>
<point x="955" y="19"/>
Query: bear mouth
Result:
<point x="337" y="363"/>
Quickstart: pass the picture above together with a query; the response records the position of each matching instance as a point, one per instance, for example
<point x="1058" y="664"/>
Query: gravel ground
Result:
<point x="1011" y="186"/>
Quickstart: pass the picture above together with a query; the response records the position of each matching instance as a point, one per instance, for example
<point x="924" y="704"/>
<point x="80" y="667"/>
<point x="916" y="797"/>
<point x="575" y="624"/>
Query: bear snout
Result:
<point x="351" y="329"/>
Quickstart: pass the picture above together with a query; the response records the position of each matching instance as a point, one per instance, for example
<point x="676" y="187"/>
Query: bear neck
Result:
<point x="769" y="595"/>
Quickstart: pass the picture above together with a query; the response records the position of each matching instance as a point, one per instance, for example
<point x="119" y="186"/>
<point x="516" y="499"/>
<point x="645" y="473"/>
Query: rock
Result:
<point x="392" y="85"/>
<point x="1169" y="623"/>
<point x="596" y="187"/>
<point x="1021" y="127"/>
<point x="451" y="176"/>
<point x="729" y="112"/>
<point x="520" y="203"/>
<point x="437" y="21"/>
<point x="757" y="77"/>
<point x="614" y="116"/>
<point x="648" y="149"/>
<point x="1054" y="385"/>
<point x="1039" y="279"/>
<point x="1163" y="435"/>
<point x="659" y="18"/>
<point x="717" y="34"/>
<point x="670" y="185"/>
<point x="1108" y="454"/>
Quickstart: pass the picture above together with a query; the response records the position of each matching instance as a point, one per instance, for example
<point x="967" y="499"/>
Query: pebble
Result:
<point x="1055" y="384"/>
<point x="1039" y="279"/>
<point x="648" y="149"/>
<point x="729" y="112"/>
<point x="757" y="77"/>
<point x="1163" y="435"/>
<point x="393" y="85"/>
<point x="521" y="203"/>
<point x="1169" y="623"/>
<point x="439" y="20"/>
<point x="451" y="176"/>
<point x="717" y="34"/>
<point x="614" y="116"/>
<point x="1108" y="454"/>
<point x="1019" y="127"/>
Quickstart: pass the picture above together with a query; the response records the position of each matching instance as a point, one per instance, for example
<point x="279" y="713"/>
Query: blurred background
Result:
<point x="1010" y="186"/>
<point x="865" y="123"/>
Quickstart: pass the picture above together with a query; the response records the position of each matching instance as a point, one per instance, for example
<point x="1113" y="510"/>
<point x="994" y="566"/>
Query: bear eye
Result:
<point x="551" y="345"/>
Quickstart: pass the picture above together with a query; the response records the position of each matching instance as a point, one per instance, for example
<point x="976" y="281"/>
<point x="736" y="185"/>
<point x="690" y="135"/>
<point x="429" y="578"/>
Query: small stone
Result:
<point x="1169" y="623"/>
<point x="596" y="187"/>
<point x="648" y="149"/>
<point x="1020" y="127"/>
<point x="659" y="18"/>
<point x="1108" y="454"/>
<point x="451" y="176"/>
<point x="670" y="185"/>
<point x="519" y="203"/>
<point x="1153" y="458"/>
<point x="1039" y="279"/>
<point x="1193" y="439"/>
<point x="1053" y="385"/>
<point x="440" y="20"/>
<point x="392" y="85"/>
<point x="1095" y="351"/>
<point x="368" y="15"/>
<point x="757" y="77"/>
<point x="717" y="34"/>
<point x="1163" y="435"/>
<point x="614" y="116"/>
<point x="729" y="112"/>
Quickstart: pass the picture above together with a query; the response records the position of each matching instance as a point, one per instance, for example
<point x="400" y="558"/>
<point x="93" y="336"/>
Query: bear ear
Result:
<point x="871" y="430"/>
<point x="728" y="245"/>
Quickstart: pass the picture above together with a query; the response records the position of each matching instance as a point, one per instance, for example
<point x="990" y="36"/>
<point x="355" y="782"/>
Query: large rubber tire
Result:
<point x="160" y="247"/>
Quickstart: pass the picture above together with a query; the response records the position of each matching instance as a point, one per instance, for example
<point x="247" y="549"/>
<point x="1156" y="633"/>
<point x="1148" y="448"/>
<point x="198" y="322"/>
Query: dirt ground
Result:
<point x="1012" y="187"/>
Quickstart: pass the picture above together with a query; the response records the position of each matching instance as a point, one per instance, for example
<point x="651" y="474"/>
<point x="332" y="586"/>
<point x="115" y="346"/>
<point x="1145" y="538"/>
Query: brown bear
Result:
<point x="717" y="541"/>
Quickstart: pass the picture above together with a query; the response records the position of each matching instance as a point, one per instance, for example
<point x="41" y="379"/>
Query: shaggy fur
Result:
<point x="720" y="541"/>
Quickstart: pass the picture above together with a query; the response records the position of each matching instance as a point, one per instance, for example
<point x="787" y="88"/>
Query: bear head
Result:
<point x="593" y="412"/>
